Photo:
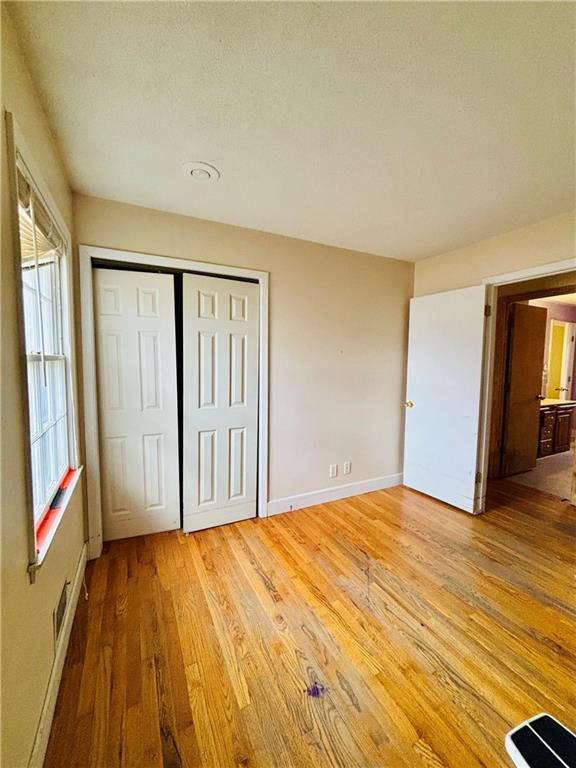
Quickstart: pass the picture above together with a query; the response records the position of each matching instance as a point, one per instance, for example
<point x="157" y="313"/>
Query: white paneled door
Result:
<point x="444" y="388"/>
<point x="138" y="404"/>
<point x="220" y="339"/>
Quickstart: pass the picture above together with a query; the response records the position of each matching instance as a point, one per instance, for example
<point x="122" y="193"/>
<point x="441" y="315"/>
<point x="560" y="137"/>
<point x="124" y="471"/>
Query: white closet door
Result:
<point x="138" y="404"/>
<point x="220" y="400"/>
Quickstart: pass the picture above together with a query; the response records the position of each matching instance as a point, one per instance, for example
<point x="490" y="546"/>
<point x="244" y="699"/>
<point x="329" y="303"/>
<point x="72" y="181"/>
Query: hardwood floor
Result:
<point x="421" y="633"/>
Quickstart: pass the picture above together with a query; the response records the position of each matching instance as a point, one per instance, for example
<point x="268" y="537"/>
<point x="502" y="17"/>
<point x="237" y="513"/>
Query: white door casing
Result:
<point x="137" y="395"/>
<point x="444" y="383"/>
<point x="220" y="344"/>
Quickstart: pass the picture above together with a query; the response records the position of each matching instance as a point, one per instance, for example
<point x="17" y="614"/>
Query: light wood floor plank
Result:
<point x="426" y="633"/>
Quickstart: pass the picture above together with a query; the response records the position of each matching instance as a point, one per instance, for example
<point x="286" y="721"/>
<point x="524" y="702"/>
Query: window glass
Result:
<point x="42" y="248"/>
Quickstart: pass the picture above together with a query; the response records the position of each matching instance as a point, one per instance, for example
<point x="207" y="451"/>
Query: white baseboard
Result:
<point x="301" y="500"/>
<point x="47" y="714"/>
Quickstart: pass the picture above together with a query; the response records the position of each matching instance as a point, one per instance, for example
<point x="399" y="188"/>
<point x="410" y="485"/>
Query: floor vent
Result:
<point x="60" y="611"/>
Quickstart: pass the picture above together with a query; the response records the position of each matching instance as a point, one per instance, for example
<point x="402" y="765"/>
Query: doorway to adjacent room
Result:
<point x="534" y="386"/>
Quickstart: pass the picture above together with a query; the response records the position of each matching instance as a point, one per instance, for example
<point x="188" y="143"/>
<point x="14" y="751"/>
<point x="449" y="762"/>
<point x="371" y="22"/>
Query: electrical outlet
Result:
<point x="333" y="470"/>
<point x="347" y="468"/>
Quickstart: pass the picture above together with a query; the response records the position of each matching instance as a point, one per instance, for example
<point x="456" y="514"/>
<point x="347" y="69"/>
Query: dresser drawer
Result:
<point x="545" y="447"/>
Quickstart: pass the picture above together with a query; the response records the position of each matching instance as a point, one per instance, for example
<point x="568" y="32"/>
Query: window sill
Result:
<point x="46" y="531"/>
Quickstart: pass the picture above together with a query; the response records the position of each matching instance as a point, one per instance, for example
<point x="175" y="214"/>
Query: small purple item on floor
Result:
<point x="316" y="690"/>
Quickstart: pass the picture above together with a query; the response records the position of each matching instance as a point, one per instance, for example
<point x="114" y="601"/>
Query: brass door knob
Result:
<point x="409" y="404"/>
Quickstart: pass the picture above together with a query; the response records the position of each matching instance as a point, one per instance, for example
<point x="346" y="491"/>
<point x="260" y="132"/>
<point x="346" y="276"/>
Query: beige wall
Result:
<point x="27" y="633"/>
<point x="337" y="369"/>
<point x="338" y="329"/>
<point x="337" y="349"/>
<point x="541" y="243"/>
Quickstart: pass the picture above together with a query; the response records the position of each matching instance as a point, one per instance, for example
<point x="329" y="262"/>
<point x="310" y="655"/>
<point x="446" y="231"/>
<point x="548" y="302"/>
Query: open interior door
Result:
<point x="444" y="389"/>
<point x="523" y="387"/>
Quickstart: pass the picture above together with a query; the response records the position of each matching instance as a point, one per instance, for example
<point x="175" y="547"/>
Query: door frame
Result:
<point x="568" y="358"/>
<point x="492" y="284"/>
<point x="567" y="365"/>
<point x="88" y="253"/>
<point x="502" y="327"/>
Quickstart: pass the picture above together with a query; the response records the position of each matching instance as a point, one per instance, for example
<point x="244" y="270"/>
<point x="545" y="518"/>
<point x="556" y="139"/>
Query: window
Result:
<point x="42" y="249"/>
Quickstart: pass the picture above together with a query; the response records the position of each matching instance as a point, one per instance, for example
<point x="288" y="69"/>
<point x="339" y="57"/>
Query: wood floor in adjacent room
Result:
<point x="383" y="630"/>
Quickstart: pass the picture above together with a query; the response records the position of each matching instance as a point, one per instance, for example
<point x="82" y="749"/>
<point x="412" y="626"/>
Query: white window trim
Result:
<point x="86" y="254"/>
<point x="17" y="147"/>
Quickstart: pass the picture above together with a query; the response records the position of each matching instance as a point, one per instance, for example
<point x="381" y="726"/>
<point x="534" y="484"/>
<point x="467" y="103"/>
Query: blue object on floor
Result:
<point x="316" y="690"/>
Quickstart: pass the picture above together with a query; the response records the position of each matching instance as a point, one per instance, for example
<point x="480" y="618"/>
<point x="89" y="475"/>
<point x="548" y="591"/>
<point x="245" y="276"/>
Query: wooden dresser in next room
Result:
<point x="556" y="418"/>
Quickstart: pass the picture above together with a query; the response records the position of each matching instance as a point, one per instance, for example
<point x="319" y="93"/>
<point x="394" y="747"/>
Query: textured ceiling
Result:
<point x="404" y="129"/>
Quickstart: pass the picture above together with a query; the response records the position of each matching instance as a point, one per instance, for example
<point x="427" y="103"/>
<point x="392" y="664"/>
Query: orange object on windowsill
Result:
<point x="49" y="520"/>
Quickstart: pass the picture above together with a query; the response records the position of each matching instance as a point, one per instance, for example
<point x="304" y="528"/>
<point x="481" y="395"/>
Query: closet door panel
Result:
<point x="220" y="339"/>
<point x="138" y="411"/>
